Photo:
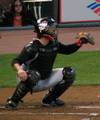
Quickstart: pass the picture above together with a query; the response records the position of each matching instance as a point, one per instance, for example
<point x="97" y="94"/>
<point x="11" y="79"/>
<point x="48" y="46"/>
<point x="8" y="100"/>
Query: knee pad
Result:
<point x="59" y="89"/>
<point x="68" y="74"/>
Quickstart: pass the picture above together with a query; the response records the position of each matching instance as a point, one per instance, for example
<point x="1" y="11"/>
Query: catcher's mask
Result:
<point x="46" y="27"/>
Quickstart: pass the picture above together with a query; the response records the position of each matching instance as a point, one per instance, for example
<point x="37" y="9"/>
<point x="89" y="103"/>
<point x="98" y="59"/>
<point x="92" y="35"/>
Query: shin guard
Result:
<point x="59" y="89"/>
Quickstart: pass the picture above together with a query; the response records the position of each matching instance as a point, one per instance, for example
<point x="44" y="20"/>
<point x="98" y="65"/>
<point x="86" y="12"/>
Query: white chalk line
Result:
<point x="50" y="113"/>
<point x="87" y="107"/>
<point x="57" y="113"/>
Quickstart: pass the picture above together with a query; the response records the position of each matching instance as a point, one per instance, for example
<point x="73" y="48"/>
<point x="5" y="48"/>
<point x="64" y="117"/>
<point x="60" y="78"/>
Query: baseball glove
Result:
<point x="33" y="78"/>
<point x="85" y="37"/>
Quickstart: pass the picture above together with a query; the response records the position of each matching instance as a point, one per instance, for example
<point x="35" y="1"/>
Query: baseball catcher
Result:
<point x="34" y="65"/>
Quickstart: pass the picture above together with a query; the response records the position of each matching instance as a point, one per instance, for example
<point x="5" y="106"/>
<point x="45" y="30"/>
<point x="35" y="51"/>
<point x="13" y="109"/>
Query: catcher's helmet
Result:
<point x="46" y="27"/>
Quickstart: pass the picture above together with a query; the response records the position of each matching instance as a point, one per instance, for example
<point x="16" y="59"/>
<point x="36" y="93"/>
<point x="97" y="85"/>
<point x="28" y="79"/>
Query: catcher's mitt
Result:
<point x="33" y="78"/>
<point x="85" y="37"/>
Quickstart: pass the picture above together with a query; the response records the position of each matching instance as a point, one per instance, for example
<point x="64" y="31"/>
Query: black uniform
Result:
<point x="41" y="58"/>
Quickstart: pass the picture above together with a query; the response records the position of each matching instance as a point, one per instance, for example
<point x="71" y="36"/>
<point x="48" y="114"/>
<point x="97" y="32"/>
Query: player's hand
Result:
<point x="22" y="74"/>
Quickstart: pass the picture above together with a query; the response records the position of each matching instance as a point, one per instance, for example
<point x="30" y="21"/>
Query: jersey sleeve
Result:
<point x="67" y="49"/>
<point x="27" y="53"/>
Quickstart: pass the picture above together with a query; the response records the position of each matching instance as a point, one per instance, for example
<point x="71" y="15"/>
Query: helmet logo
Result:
<point x="43" y="25"/>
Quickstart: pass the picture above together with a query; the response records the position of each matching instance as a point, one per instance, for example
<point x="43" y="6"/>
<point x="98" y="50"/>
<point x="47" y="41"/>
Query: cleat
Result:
<point x="11" y="105"/>
<point x="53" y="103"/>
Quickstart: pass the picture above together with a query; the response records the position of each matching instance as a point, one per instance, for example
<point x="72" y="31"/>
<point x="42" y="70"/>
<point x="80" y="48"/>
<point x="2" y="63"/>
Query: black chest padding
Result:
<point x="45" y="59"/>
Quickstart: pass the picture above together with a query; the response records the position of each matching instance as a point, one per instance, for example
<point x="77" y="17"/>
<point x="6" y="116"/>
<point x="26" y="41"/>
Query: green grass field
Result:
<point x="87" y="65"/>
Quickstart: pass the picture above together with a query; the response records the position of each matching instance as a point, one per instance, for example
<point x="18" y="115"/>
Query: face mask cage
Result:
<point x="47" y="25"/>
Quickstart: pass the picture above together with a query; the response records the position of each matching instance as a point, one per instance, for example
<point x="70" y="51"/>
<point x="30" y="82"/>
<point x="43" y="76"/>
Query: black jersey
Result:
<point x="41" y="58"/>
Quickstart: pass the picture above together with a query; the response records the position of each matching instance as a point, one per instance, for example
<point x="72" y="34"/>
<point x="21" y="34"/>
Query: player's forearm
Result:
<point x="68" y="49"/>
<point x="17" y="67"/>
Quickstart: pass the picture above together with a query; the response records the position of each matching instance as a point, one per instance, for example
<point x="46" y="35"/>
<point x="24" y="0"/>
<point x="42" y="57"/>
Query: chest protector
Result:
<point x="44" y="59"/>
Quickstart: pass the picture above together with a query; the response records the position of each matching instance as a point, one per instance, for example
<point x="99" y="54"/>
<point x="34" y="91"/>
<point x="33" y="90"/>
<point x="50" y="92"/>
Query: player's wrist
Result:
<point x="79" y="42"/>
<point x="19" y="69"/>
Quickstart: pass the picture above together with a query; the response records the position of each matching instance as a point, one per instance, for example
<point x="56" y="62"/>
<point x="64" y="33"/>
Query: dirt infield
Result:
<point x="82" y="102"/>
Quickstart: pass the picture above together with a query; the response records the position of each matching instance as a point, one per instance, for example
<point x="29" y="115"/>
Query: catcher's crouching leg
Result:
<point x="19" y="93"/>
<point x="51" y="99"/>
<point x="22" y="89"/>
